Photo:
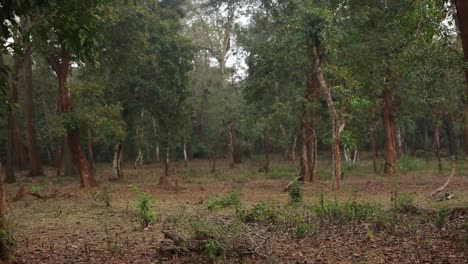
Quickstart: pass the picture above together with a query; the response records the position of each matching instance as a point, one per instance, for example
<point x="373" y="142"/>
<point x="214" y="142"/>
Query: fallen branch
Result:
<point x="287" y="187"/>
<point x="452" y="173"/>
<point x="23" y="191"/>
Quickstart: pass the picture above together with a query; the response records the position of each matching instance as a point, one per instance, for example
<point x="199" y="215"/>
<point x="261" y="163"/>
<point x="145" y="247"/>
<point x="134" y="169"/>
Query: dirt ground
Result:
<point x="74" y="228"/>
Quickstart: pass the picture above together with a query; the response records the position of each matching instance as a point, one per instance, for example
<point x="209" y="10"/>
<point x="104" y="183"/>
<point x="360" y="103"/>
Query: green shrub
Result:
<point x="261" y="212"/>
<point x="302" y="229"/>
<point x="233" y="199"/>
<point x="295" y="193"/>
<point x="348" y="212"/>
<point x="36" y="189"/>
<point x="103" y="196"/>
<point x="144" y="205"/>
<point x="404" y="202"/>
<point x="441" y="216"/>
<point x="407" y="163"/>
<point x="213" y="249"/>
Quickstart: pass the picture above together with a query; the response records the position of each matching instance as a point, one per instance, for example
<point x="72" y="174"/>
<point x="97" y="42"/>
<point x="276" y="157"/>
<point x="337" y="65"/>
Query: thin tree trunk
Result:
<point x="139" y="159"/>
<point x="390" y="149"/>
<point x="287" y="145"/>
<point x="5" y="248"/>
<point x="462" y="17"/>
<point x="158" y="159"/>
<point x="266" y="149"/>
<point x="117" y="161"/>
<point x="334" y="119"/>
<point x="426" y="137"/>
<point x="35" y="165"/>
<point x="231" y="144"/>
<point x="185" y="152"/>
<point x="374" y="148"/>
<point x="450" y="130"/>
<point x="437" y="144"/>
<point x="399" y="141"/>
<point x="293" y="149"/>
<point x="204" y="104"/>
<point x="92" y="163"/>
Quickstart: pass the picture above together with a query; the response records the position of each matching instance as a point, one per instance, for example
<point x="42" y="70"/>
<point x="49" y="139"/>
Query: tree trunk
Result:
<point x="35" y="165"/>
<point x="185" y="152"/>
<point x="387" y="117"/>
<point x="231" y="144"/>
<point x="61" y="67"/>
<point x="167" y="162"/>
<point x="374" y="148"/>
<point x="139" y="159"/>
<point x="426" y="137"/>
<point x="462" y="17"/>
<point x="12" y="122"/>
<point x="117" y="161"/>
<point x="399" y="142"/>
<point x="158" y="159"/>
<point x="308" y="136"/>
<point x="335" y="122"/>
<point x="450" y="130"/>
<point x="266" y="148"/>
<point x="5" y="246"/>
<point x="92" y="163"/>
<point x="204" y="104"/>
<point x="287" y="145"/>
<point x="437" y="144"/>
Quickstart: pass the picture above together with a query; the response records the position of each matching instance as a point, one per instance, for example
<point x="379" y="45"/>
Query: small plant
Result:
<point x="213" y="249"/>
<point x="103" y="196"/>
<point x="295" y="193"/>
<point x="58" y="212"/>
<point x="261" y="212"/>
<point x="233" y="199"/>
<point x="7" y="239"/>
<point x="441" y="217"/>
<point x="404" y="203"/>
<point x="144" y="204"/>
<point x="36" y="189"/>
<point x="301" y="230"/>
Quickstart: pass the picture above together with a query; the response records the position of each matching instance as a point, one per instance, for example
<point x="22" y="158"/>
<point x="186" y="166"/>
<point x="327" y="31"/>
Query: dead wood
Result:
<point x="24" y="190"/>
<point x="452" y="173"/>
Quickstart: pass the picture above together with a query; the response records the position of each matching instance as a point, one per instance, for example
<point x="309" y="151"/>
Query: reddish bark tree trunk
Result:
<point x="390" y="148"/>
<point x="308" y="136"/>
<point x="35" y="165"/>
<point x="92" y="163"/>
<point x="61" y="68"/>
<point x="437" y="143"/>
<point x="462" y="16"/>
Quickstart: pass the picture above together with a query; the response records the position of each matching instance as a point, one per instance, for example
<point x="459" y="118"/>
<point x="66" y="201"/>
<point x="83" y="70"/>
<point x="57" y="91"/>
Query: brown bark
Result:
<point x="390" y="148"/>
<point x="266" y="149"/>
<point x="92" y="163"/>
<point x="5" y="255"/>
<point x="231" y="144"/>
<point x="462" y="17"/>
<point x="117" y="162"/>
<point x="374" y="149"/>
<point x="35" y="165"/>
<point x="12" y="122"/>
<point x="308" y="136"/>
<point x="334" y="118"/>
<point x="201" y="132"/>
<point x="61" y="67"/>
<point x="437" y="144"/>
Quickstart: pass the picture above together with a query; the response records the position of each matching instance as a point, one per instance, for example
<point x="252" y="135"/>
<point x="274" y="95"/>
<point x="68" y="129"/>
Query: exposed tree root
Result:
<point x="41" y="195"/>
<point x="452" y="173"/>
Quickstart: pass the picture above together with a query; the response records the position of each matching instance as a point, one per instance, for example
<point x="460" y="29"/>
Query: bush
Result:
<point x="233" y="199"/>
<point x="404" y="202"/>
<point x="441" y="217"/>
<point x="261" y="212"/>
<point x="348" y="212"/>
<point x="295" y="193"/>
<point x="103" y="196"/>
<point x="301" y="230"/>
<point x="144" y="203"/>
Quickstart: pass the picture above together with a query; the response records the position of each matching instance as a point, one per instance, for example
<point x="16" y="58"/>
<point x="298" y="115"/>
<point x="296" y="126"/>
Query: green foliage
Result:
<point x="36" y="189"/>
<point x="301" y="230"/>
<point x="232" y="199"/>
<point x="404" y="202"/>
<point x="213" y="249"/>
<point x="7" y="238"/>
<point x="144" y="204"/>
<point x="295" y="193"/>
<point x="334" y="212"/>
<point x="260" y="212"/>
<point x="407" y="163"/>
<point x="103" y="196"/>
<point x="441" y="216"/>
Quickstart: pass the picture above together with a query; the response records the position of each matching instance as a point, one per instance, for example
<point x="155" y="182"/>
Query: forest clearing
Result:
<point x="81" y="229"/>
<point x="234" y="131"/>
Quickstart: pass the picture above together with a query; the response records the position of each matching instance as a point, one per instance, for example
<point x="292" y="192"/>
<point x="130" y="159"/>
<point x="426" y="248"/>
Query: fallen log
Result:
<point x="452" y="173"/>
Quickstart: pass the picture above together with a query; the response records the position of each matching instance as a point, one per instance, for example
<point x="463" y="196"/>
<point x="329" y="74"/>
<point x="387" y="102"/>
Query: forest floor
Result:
<point x="241" y="215"/>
